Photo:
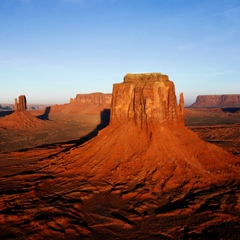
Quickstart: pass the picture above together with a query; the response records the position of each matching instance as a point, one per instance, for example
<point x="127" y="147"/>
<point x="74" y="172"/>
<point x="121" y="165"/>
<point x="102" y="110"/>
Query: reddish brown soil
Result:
<point x="43" y="127"/>
<point x="216" y="125"/>
<point x="70" y="190"/>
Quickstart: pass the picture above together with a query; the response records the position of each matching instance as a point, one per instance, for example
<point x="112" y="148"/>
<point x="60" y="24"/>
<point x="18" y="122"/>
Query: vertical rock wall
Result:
<point x="146" y="99"/>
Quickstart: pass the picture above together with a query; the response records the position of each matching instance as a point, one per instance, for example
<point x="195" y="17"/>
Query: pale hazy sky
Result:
<point x="50" y="50"/>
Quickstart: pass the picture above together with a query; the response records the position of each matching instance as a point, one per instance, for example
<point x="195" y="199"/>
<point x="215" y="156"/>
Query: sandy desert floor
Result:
<point x="218" y="126"/>
<point x="37" y="202"/>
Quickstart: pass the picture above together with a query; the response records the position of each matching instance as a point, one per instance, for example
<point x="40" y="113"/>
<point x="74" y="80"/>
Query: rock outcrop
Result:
<point x="20" y="104"/>
<point x="146" y="99"/>
<point x="217" y="101"/>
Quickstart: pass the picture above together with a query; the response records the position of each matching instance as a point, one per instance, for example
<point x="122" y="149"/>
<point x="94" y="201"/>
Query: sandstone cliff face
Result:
<point x="228" y="100"/>
<point x="20" y="104"/>
<point x="146" y="99"/>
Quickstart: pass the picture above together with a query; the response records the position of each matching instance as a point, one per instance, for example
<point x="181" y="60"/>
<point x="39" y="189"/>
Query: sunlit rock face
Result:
<point x="146" y="99"/>
<point x="20" y="104"/>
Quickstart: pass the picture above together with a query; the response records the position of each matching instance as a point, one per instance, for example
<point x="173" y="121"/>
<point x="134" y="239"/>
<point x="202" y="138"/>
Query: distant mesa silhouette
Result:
<point x="217" y="101"/>
<point x="93" y="98"/>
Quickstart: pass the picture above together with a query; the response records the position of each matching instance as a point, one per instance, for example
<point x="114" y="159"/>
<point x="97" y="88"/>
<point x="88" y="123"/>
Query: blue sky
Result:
<point x="50" y="50"/>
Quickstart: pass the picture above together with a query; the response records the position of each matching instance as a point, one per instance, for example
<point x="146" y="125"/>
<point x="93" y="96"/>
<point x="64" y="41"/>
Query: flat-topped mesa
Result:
<point x="93" y="98"/>
<point x="147" y="99"/>
<point x="217" y="101"/>
<point x="20" y="104"/>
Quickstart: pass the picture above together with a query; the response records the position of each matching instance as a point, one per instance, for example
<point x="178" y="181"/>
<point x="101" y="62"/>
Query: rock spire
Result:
<point x="20" y="104"/>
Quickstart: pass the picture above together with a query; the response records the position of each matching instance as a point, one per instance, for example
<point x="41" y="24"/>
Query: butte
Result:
<point x="21" y="118"/>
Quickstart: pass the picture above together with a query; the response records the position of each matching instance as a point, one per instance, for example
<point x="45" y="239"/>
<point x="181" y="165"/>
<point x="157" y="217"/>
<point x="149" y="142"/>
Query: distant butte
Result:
<point x="217" y="101"/>
<point x="93" y="98"/>
<point x="21" y="118"/>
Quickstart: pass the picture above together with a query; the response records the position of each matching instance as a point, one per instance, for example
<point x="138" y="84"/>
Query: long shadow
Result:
<point x="105" y="119"/>
<point x="230" y="110"/>
<point x="5" y="113"/>
<point x="45" y="115"/>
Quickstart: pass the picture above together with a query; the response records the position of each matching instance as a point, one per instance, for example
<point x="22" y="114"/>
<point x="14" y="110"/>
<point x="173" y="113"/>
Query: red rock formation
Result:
<point x="21" y="118"/>
<point x="227" y="100"/>
<point x="20" y="104"/>
<point x="93" y="98"/>
<point x="146" y="99"/>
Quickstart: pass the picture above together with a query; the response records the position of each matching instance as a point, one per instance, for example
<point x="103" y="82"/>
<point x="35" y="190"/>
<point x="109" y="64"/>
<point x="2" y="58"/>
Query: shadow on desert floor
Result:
<point x="104" y="122"/>
<point x="45" y="115"/>
<point x="230" y="110"/>
<point x="6" y="113"/>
